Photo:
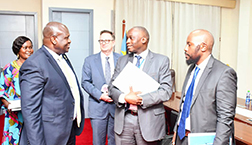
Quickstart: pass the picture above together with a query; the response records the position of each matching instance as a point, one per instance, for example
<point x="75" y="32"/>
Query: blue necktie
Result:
<point x="138" y="60"/>
<point x="186" y="106"/>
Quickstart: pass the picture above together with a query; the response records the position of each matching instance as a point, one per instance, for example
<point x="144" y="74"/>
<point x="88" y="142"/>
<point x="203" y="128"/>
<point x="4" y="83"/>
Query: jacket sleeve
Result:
<point x="87" y="81"/>
<point x="225" y="106"/>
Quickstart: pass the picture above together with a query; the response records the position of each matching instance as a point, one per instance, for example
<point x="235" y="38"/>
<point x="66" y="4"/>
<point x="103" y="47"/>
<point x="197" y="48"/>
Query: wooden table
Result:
<point x="243" y="127"/>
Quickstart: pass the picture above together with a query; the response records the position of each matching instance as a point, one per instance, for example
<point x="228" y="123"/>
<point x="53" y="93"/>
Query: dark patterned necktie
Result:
<point x="107" y="70"/>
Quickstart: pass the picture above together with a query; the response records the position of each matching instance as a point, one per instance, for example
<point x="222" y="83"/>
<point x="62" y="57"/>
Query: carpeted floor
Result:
<point x="86" y="136"/>
<point x="84" y="139"/>
<point x="1" y="127"/>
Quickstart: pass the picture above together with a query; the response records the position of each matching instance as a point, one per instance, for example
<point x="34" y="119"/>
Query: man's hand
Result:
<point x="174" y="138"/>
<point x="105" y="97"/>
<point x="132" y="97"/>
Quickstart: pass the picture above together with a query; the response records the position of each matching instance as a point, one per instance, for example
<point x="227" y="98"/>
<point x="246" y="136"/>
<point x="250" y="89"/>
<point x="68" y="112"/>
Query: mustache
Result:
<point x="188" y="55"/>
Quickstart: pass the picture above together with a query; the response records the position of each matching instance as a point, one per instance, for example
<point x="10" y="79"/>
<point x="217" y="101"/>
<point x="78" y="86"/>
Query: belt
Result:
<point x="187" y="132"/>
<point x="133" y="112"/>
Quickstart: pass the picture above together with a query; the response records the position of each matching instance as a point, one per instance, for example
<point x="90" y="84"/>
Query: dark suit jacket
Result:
<point x="47" y="102"/>
<point x="214" y="101"/>
<point x="151" y="114"/>
<point x="92" y="81"/>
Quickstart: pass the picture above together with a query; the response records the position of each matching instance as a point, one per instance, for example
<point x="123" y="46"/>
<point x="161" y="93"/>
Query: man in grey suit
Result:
<point x="213" y="95"/>
<point x="140" y="118"/>
<point x="52" y="102"/>
<point x="96" y="73"/>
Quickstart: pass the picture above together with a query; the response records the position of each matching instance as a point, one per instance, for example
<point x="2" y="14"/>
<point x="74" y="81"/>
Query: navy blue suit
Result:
<point x="47" y="102"/>
<point x="92" y="81"/>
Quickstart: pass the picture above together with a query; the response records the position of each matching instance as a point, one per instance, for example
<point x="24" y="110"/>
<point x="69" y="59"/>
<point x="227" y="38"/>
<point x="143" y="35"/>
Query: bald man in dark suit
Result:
<point x="52" y="102"/>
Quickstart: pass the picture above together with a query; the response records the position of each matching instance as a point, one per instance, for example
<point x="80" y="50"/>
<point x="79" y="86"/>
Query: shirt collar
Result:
<point x="202" y="65"/>
<point x="54" y="54"/>
<point x="143" y="54"/>
<point x="104" y="56"/>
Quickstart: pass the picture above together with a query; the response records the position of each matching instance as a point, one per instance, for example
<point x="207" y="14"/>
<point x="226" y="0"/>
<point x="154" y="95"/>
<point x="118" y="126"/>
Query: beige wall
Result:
<point x="101" y="12"/>
<point x="24" y="6"/>
<point x="229" y="36"/>
<point x="244" y="51"/>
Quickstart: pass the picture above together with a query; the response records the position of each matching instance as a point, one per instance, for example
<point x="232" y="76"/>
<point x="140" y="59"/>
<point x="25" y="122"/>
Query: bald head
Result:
<point x="199" y="45"/>
<point x="203" y="36"/>
<point x="56" y="37"/>
<point x="53" y="29"/>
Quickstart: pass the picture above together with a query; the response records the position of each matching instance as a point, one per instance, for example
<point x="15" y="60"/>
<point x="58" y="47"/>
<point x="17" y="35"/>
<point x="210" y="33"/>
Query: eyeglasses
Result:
<point x="105" y="41"/>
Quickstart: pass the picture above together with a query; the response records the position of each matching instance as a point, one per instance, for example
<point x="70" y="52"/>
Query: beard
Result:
<point x="192" y="60"/>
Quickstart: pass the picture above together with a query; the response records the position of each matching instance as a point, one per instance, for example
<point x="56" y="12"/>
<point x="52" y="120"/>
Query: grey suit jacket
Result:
<point x="47" y="101"/>
<point x="92" y="81"/>
<point x="151" y="114"/>
<point x="214" y="101"/>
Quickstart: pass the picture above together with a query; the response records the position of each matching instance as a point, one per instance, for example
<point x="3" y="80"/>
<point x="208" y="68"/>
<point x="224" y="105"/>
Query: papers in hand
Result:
<point x="139" y="80"/>
<point x="15" y="105"/>
<point x="201" y="138"/>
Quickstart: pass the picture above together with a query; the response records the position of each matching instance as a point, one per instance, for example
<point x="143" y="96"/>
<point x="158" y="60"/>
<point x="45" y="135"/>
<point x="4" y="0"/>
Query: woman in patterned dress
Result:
<point x="10" y="90"/>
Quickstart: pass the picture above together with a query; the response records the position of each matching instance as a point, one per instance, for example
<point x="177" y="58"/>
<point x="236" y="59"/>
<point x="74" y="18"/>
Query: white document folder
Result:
<point x="201" y="138"/>
<point x="139" y="80"/>
<point x="15" y="105"/>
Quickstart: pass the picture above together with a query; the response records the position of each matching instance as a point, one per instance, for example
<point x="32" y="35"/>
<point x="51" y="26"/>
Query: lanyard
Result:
<point x="141" y="63"/>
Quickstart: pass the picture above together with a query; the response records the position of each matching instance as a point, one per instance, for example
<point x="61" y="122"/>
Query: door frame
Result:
<point x="34" y="14"/>
<point x="88" y="11"/>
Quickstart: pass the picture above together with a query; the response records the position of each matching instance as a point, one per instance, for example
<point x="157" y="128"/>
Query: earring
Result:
<point x="17" y="55"/>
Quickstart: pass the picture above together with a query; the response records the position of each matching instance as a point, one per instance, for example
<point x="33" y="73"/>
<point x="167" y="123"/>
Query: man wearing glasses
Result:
<point x="96" y="73"/>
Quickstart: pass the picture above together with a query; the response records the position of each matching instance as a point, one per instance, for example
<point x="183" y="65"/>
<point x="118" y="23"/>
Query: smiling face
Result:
<point x="136" y="41"/>
<point x="26" y="50"/>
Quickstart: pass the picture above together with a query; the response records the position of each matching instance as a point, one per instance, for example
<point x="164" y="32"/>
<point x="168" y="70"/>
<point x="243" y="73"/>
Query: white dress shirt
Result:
<point x="202" y="67"/>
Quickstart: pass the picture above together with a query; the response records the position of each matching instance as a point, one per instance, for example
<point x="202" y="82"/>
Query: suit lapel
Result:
<point x="187" y="78"/>
<point x="55" y="66"/>
<point x="115" y="59"/>
<point x="148" y="61"/>
<point x="130" y="58"/>
<point x="69" y="63"/>
<point x="203" y="77"/>
<point x="98" y="63"/>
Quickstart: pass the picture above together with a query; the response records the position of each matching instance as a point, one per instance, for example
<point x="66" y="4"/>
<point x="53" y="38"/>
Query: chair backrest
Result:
<point x="173" y="80"/>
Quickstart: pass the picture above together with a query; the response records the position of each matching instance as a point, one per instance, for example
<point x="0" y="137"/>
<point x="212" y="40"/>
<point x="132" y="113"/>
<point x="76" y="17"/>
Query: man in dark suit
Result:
<point x="140" y="118"/>
<point x="211" y="87"/>
<point x="52" y="102"/>
<point x="96" y="73"/>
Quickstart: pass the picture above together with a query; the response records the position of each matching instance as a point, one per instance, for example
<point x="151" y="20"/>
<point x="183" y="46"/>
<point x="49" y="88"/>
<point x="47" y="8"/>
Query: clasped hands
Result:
<point x="133" y="98"/>
<point x="104" y="95"/>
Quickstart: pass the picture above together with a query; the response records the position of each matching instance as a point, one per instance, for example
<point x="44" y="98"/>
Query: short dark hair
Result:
<point x="18" y="42"/>
<point x="107" y="31"/>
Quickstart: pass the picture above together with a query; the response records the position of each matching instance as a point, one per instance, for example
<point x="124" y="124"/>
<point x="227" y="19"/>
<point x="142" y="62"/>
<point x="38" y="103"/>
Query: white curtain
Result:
<point x="188" y="17"/>
<point x="169" y="24"/>
<point x="154" y="15"/>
